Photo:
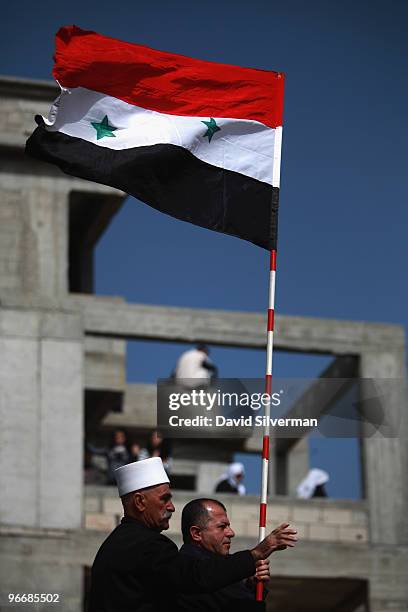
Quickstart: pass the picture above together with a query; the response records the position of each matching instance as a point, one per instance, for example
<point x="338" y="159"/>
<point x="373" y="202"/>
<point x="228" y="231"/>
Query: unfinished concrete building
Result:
<point x="62" y="357"/>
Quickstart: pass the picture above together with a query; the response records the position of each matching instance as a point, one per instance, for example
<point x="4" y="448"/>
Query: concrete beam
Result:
<point x="113" y="317"/>
<point x="311" y="559"/>
<point x="20" y="101"/>
<point x="27" y="89"/>
<point x="230" y="328"/>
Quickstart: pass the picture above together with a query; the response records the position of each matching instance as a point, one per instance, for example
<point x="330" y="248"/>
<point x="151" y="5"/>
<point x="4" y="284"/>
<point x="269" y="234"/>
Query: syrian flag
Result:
<point x="197" y="140"/>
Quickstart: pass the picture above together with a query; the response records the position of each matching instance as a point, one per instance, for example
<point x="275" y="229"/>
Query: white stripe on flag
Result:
<point x="243" y="146"/>
<point x="277" y="156"/>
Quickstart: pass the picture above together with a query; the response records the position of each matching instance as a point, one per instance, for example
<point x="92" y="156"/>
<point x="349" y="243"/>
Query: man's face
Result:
<point x="119" y="437"/>
<point x="158" y="507"/>
<point x="157" y="438"/>
<point x="216" y="536"/>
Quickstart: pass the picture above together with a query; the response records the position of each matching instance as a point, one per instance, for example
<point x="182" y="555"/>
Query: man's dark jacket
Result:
<point x="237" y="597"/>
<point x="139" y="570"/>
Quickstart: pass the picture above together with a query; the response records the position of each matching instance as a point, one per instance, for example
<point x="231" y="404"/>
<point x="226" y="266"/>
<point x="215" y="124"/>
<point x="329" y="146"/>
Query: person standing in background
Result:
<point x="195" y="364"/>
<point x="231" y="481"/>
<point x="157" y="446"/>
<point x="116" y="454"/>
<point x="313" y="485"/>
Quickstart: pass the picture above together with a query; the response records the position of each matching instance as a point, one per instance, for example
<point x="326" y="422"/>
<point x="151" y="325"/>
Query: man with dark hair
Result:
<point x="207" y="534"/>
<point x="137" y="569"/>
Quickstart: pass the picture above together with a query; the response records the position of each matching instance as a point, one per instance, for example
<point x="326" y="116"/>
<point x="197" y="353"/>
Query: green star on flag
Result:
<point x="212" y="127"/>
<point x="103" y="128"/>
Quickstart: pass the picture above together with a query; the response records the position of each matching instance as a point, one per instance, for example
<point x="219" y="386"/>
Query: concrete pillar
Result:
<point x="289" y="467"/>
<point x="298" y="465"/>
<point x="280" y="477"/>
<point x="11" y="237"/>
<point x="207" y="475"/>
<point x="33" y="238"/>
<point x="385" y="452"/>
<point x="45" y="246"/>
<point x="272" y="472"/>
<point x="41" y="396"/>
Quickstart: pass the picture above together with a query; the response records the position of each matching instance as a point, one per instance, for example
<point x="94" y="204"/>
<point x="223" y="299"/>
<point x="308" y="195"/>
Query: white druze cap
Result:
<point x="140" y="474"/>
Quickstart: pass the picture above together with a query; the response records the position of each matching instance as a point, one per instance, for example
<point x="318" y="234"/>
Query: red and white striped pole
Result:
<point x="268" y="390"/>
<point x="276" y="164"/>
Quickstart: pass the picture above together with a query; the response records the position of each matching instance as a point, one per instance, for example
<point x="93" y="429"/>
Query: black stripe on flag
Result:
<point x="172" y="180"/>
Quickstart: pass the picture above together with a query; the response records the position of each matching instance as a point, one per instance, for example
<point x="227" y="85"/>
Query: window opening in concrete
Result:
<point x="132" y="406"/>
<point x="149" y="360"/>
<point x="340" y="457"/>
<point x="89" y="216"/>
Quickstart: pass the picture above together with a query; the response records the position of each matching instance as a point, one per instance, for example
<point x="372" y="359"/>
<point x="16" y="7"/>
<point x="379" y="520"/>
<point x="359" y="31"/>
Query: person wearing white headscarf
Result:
<point x="231" y="480"/>
<point x="313" y="484"/>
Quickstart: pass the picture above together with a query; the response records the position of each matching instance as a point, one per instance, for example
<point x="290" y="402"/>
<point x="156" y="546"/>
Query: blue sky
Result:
<point x="343" y="218"/>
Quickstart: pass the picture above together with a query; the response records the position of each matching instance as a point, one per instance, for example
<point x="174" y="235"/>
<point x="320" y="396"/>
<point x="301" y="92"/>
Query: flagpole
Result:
<point x="276" y="166"/>
<point x="268" y="391"/>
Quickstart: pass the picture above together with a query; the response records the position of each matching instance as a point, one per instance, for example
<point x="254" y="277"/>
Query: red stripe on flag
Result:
<point x="262" y="515"/>
<point x="265" y="447"/>
<point x="268" y="383"/>
<point x="273" y="261"/>
<point x="271" y="317"/>
<point x="166" y="82"/>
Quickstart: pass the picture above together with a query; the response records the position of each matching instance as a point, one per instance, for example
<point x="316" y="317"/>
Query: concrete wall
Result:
<point x="41" y="561"/>
<point x="41" y="418"/>
<point x="315" y="520"/>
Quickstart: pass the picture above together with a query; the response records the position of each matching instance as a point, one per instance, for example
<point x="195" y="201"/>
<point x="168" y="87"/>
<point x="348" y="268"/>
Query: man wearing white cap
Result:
<point x="138" y="569"/>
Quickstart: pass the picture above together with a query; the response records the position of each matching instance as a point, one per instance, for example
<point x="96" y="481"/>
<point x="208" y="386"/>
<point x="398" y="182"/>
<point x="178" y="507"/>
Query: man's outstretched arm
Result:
<point x="280" y="538"/>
